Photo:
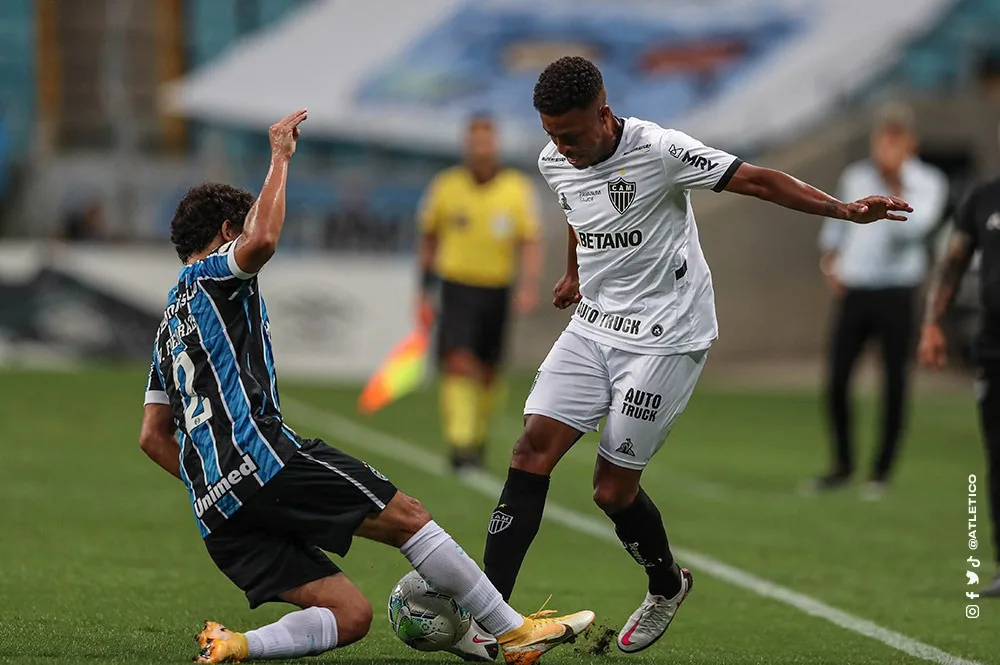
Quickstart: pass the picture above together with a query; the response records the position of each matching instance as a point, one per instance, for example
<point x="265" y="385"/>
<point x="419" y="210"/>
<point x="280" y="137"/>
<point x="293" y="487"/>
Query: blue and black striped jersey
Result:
<point x="213" y="364"/>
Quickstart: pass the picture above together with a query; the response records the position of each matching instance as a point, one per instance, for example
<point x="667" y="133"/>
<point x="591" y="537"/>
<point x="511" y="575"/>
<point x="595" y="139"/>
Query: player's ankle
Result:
<point x="517" y="633"/>
<point x="665" y="581"/>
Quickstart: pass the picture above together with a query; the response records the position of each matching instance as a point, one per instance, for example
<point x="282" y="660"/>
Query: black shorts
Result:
<point x="473" y="318"/>
<point x="275" y="541"/>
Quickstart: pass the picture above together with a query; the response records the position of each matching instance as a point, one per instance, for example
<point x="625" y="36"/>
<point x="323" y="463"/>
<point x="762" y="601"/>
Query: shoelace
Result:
<point x="649" y="612"/>
<point x="542" y="614"/>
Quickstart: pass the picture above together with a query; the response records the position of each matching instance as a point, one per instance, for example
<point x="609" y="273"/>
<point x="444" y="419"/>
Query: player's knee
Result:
<point x="613" y="497"/>
<point x="532" y="452"/>
<point x="353" y="621"/>
<point x="412" y="518"/>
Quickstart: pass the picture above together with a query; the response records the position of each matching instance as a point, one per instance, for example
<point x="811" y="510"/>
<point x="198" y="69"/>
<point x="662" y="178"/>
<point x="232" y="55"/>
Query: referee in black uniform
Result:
<point x="976" y="227"/>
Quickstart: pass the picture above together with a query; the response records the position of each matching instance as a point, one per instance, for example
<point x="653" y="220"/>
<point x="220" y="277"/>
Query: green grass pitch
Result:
<point x="100" y="560"/>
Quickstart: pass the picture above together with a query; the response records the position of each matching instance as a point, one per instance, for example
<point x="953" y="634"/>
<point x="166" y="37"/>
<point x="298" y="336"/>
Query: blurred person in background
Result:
<point x="479" y="237"/>
<point x="874" y="271"/>
<point x="977" y="226"/>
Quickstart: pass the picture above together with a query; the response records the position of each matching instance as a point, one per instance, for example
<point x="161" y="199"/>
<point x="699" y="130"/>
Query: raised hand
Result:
<point x="285" y="133"/>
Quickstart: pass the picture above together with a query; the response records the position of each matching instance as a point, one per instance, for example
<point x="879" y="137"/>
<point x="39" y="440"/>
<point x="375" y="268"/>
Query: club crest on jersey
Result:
<point x="622" y="193"/>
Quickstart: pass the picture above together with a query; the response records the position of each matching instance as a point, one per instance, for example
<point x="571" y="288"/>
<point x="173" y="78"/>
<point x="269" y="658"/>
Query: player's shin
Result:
<point x="640" y="529"/>
<point x="445" y="565"/>
<point x="513" y="526"/>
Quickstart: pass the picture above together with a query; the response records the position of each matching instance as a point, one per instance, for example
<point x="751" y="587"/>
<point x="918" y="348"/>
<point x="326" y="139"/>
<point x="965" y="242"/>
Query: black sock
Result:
<point x="513" y="526"/>
<point x="641" y="531"/>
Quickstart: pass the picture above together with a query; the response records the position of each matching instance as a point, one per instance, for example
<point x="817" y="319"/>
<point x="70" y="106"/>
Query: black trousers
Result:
<point x="888" y="316"/>
<point x="988" y="394"/>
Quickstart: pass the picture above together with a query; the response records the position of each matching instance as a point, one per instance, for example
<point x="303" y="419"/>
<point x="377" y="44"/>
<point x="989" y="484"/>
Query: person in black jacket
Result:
<point x="977" y="226"/>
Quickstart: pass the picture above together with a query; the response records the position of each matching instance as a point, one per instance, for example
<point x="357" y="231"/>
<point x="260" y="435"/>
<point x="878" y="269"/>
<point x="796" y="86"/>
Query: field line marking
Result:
<point x="386" y="445"/>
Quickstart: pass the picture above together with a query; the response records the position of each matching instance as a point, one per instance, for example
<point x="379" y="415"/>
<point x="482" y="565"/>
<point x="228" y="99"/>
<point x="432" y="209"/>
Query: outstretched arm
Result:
<point x="262" y="227"/>
<point x="784" y="190"/>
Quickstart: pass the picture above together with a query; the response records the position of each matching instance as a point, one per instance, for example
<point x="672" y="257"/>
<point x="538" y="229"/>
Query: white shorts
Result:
<point x="582" y="381"/>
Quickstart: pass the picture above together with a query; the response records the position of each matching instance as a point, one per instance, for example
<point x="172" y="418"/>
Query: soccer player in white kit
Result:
<point x="644" y="319"/>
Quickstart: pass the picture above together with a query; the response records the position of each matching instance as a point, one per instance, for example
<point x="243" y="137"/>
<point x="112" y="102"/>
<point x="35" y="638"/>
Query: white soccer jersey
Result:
<point x="645" y="284"/>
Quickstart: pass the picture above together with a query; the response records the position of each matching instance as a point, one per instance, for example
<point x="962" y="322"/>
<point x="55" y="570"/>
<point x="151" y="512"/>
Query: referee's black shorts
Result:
<point x="473" y="318"/>
<point x="275" y="541"/>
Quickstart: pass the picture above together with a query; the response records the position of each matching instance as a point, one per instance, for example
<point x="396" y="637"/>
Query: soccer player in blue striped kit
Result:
<point x="266" y="501"/>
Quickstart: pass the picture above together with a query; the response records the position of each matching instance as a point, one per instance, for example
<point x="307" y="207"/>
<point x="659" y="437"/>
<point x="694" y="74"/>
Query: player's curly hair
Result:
<point x="200" y="214"/>
<point x="568" y="83"/>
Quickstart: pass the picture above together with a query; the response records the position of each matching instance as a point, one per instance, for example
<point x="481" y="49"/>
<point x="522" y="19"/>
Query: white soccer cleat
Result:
<point x="476" y="645"/>
<point x="648" y="623"/>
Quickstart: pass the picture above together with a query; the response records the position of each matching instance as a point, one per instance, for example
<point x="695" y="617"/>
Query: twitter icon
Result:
<point x="973" y="578"/>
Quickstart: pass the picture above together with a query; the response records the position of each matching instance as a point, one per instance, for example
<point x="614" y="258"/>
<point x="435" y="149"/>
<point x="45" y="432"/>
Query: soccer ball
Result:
<point x="423" y="618"/>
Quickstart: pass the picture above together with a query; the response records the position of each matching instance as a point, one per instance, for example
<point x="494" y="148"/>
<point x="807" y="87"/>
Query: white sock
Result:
<point x="304" y="633"/>
<point x="445" y="565"/>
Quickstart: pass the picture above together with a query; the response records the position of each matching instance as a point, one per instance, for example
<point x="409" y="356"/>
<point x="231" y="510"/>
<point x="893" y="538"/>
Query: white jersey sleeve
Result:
<point x="690" y="164"/>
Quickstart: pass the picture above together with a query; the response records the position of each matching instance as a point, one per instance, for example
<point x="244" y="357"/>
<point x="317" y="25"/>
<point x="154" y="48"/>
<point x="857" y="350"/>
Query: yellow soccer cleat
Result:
<point x="221" y="645"/>
<point x="541" y="632"/>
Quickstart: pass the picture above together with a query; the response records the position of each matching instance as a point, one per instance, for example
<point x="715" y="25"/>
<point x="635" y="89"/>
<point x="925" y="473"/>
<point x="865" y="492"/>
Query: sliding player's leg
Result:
<point x="334" y="614"/>
<point x="402" y="522"/>
<point x="271" y="564"/>
<point x="272" y="548"/>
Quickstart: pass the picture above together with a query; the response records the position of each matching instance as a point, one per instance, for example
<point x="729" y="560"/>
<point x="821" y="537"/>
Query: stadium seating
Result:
<point x="17" y="72"/>
<point x="949" y="55"/>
